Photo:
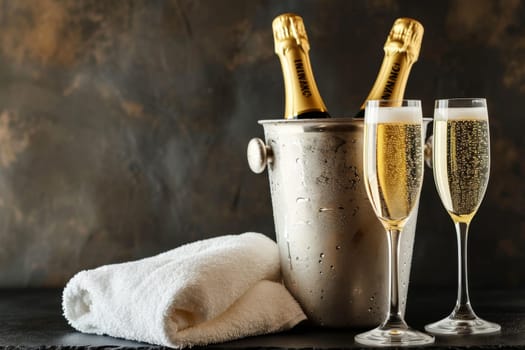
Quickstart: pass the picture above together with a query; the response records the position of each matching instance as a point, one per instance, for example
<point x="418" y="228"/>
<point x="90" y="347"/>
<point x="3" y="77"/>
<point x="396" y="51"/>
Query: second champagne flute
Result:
<point x="393" y="173"/>
<point x="461" y="163"/>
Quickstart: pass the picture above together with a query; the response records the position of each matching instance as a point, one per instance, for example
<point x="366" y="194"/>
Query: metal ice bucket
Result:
<point x="333" y="249"/>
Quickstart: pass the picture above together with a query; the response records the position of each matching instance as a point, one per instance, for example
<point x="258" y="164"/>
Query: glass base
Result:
<point x="457" y="326"/>
<point x="393" y="336"/>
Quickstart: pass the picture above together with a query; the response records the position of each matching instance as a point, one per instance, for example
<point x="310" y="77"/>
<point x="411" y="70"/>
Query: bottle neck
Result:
<point x="391" y="80"/>
<point x="301" y="93"/>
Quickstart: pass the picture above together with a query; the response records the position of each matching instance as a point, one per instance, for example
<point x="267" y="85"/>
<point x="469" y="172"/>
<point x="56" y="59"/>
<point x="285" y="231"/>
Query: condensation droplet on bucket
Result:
<point x="372" y="298"/>
<point x="302" y="199"/>
<point x="321" y="255"/>
<point x="337" y="247"/>
<point x="289" y="255"/>
<point x="369" y="309"/>
<point x="332" y="267"/>
<point x="323" y="210"/>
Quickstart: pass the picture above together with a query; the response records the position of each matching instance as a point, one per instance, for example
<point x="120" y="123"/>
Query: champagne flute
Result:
<point x="461" y="164"/>
<point x="393" y="173"/>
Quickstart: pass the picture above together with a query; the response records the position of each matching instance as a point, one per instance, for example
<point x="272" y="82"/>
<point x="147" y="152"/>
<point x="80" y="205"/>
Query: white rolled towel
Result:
<point x="209" y="291"/>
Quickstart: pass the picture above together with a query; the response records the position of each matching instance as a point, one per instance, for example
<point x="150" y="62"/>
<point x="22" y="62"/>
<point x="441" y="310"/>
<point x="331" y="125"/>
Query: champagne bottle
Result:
<point x="303" y="100"/>
<point x="401" y="51"/>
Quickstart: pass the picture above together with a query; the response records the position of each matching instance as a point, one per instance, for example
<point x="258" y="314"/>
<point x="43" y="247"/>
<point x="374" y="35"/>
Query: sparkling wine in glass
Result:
<point x="393" y="172"/>
<point x="461" y="163"/>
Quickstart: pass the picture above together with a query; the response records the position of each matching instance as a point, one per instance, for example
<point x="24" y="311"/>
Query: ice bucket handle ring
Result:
<point x="259" y="155"/>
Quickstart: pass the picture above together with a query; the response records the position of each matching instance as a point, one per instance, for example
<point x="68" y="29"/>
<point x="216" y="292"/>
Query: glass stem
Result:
<point x="463" y="310"/>
<point x="394" y="318"/>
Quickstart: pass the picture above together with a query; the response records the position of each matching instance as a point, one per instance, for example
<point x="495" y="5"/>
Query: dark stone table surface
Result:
<point x="32" y="318"/>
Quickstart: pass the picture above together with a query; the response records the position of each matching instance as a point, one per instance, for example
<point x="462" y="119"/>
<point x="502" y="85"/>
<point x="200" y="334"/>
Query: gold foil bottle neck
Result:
<point x="405" y="36"/>
<point x="401" y="51"/>
<point x="288" y="30"/>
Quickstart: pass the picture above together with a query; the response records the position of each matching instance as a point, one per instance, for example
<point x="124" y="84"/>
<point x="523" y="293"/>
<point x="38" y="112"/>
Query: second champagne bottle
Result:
<point x="401" y="51"/>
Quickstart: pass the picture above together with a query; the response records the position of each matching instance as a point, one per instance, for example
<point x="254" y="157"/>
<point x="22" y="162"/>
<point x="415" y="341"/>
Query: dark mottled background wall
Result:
<point x="123" y="124"/>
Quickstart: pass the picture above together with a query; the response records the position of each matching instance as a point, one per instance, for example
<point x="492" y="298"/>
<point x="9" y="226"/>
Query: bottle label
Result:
<point x="301" y="93"/>
<point x="301" y="77"/>
<point x="391" y="81"/>
<point x="392" y="78"/>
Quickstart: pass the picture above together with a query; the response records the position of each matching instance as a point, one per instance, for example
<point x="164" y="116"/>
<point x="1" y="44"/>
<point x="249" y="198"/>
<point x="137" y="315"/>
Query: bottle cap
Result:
<point x="405" y="36"/>
<point x="288" y="29"/>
